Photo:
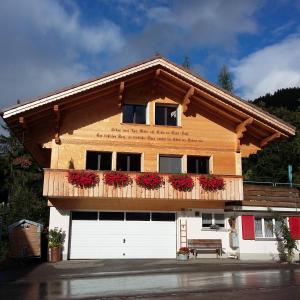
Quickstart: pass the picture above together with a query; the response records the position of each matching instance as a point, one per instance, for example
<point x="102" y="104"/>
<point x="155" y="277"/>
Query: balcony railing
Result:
<point x="56" y="185"/>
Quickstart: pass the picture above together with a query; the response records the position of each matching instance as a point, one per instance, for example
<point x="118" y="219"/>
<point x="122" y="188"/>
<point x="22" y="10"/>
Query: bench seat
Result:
<point x="205" y="245"/>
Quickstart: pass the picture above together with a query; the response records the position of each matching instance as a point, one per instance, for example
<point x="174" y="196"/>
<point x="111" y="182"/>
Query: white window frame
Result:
<point x="178" y="113"/>
<point x="213" y="220"/>
<point x="263" y="228"/>
<point x="147" y="114"/>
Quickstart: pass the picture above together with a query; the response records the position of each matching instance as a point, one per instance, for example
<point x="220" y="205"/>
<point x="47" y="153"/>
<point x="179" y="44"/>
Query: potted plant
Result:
<point x="183" y="253"/>
<point x="214" y="227"/>
<point x="56" y="241"/>
<point x="149" y="181"/>
<point x="211" y="183"/>
<point x="182" y="182"/>
<point x="117" y="179"/>
<point x="82" y="179"/>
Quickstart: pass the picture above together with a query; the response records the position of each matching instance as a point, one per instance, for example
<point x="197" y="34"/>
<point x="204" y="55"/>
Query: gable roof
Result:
<point x="18" y="223"/>
<point x="156" y="62"/>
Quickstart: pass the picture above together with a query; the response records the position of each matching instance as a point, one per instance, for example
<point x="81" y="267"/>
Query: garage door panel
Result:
<point x="99" y="239"/>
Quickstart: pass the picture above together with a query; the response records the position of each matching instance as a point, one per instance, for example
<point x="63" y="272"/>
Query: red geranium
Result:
<point x="150" y="181"/>
<point x="116" y="179"/>
<point x="212" y="183"/>
<point x="183" y="250"/>
<point x="182" y="182"/>
<point x="83" y="179"/>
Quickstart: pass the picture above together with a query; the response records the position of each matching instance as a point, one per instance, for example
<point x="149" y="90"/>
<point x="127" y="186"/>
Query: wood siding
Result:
<point x="56" y="186"/>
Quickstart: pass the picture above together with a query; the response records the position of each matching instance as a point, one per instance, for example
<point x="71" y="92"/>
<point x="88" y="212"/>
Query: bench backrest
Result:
<point x="210" y="243"/>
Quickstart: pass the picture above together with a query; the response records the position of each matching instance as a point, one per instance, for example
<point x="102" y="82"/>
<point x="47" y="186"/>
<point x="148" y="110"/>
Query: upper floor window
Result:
<point x="129" y="162"/>
<point x="134" y="113"/>
<point x="170" y="164"/>
<point x="166" y="115"/>
<point x="98" y="160"/>
<point x="198" y="164"/>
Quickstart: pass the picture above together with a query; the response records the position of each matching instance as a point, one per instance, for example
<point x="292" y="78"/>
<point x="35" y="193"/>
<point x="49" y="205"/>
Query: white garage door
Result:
<point x="98" y="235"/>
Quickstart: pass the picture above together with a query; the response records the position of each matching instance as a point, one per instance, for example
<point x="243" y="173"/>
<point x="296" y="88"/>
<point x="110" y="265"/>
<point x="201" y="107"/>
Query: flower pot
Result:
<point x="55" y="254"/>
<point x="182" y="256"/>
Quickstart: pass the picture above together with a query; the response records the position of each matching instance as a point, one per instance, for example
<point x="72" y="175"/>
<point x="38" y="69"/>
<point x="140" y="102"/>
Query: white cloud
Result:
<point x="45" y="46"/>
<point x="268" y="69"/>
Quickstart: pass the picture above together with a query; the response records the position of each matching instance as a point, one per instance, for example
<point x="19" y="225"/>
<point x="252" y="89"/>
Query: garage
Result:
<point x="115" y="235"/>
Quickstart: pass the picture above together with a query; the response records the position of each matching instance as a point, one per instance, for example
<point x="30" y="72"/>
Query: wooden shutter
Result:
<point x="294" y="223"/>
<point x="248" y="227"/>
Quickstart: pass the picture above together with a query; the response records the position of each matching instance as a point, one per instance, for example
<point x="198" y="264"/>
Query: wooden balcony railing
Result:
<point x="56" y="185"/>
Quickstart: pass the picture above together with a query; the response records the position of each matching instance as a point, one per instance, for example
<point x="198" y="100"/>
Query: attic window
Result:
<point x="134" y="113"/>
<point x="166" y="115"/>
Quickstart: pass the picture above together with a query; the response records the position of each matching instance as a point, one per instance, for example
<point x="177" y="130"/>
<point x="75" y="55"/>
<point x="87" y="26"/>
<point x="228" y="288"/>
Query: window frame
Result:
<point x="129" y="153"/>
<point x="264" y="237"/>
<point x="95" y="151"/>
<point x="199" y="156"/>
<point x="213" y="220"/>
<point x="170" y="155"/>
<point x="134" y="122"/>
<point x="167" y="105"/>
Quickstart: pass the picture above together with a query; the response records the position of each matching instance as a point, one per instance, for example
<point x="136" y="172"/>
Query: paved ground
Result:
<point x="149" y="279"/>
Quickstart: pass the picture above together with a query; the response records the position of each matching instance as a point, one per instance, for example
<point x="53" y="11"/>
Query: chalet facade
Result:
<point x="152" y="117"/>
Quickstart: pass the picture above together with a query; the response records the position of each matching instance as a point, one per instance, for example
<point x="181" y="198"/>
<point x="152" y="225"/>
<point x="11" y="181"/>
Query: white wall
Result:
<point x="61" y="219"/>
<point x="195" y="231"/>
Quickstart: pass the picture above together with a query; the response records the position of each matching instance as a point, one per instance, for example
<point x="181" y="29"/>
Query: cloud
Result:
<point x="45" y="46"/>
<point x="268" y="69"/>
<point x="187" y="25"/>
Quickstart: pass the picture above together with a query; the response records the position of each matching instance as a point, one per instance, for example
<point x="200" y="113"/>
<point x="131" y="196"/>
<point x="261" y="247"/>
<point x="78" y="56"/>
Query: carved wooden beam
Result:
<point x="57" y="115"/>
<point x="187" y="98"/>
<point x="270" y="138"/>
<point x="242" y="127"/>
<point x="121" y="93"/>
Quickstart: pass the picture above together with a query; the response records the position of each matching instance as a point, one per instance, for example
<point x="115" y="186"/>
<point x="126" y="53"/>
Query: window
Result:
<point x="111" y="216"/>
<point x="128" y="162"/>
<point x="84" y="215"/>
<point x="166" y="115"/>
<point x="198" y="164"/>
<point x="133" y="113"/>
<point x="209" y="219"/>
<point x="136" y="216"/>
<point x="265" y="227"/>
<point x="98" y="160"/>
<point x="170" y="164"/>
<point x="163" y="217"/>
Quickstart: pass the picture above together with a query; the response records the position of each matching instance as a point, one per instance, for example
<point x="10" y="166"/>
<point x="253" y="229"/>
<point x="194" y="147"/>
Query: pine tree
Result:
<point x="224" y="79"/>
<point x="186" y="63"/>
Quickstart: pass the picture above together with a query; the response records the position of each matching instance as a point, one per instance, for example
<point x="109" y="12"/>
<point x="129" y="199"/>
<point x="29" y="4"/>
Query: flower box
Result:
<point x="117" y="179"/>
<point x="182" y="182"/>
<point x="150" y="181"/>
<point x="211" y="183"/>
<point x="83" y="179"/>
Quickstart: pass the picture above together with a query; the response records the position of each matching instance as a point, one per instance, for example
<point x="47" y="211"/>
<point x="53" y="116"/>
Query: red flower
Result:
<point x="183" y="250"/>
<point x="116" y="179"/>
<point x="83" y="179"/>
<point x="150" y="181"/>
<point x="211" y="183"/>
<point x="182" y="182"/>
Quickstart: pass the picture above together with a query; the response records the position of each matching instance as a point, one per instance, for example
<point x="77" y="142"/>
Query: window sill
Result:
<point x="265" y="239"/>
<point x="169" y="126"/>
<point x="135" y="124"/>
<point x="219" y="230"/>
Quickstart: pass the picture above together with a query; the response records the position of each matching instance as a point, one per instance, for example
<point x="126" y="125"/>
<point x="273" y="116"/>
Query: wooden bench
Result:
<point x="201" y="245"/>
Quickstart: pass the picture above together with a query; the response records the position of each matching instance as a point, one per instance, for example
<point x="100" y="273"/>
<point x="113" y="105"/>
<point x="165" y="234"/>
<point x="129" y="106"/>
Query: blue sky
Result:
<point x="49" y="44"/>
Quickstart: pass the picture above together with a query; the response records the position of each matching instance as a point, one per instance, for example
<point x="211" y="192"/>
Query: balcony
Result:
<point x="56" y="185"/>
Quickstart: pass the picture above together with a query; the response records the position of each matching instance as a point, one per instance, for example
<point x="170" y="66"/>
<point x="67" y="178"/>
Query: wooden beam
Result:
<point x="270" y="138"/>
<point x="121" y="93"/>
<point x="154" y="81"/>
<point x="187" y="98"/>
<point x="23" y="123"/>
<point x="242" y="127"/>
<point x="57" y="115"/>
